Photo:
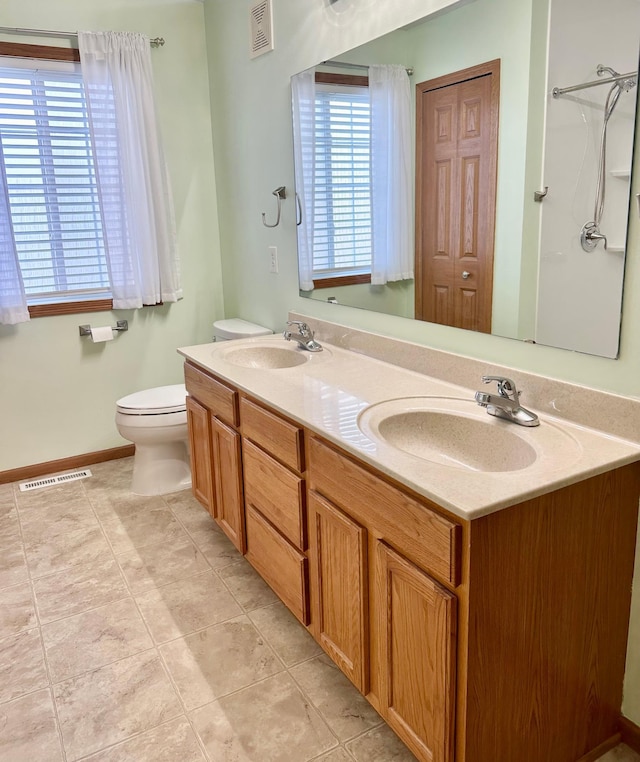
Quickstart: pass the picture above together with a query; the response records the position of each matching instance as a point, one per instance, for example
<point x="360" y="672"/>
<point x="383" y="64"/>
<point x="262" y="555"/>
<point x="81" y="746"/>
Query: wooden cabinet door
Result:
<point x="200" y="444"/>
<point x="416" y="632"/>
<point x="338" y="580"/>
<point x="228" y="482"/>
<point x="456" y="159"/>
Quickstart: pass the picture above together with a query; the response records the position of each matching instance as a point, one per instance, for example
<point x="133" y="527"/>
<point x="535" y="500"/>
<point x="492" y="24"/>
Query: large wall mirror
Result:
<point x="519" y="199"/>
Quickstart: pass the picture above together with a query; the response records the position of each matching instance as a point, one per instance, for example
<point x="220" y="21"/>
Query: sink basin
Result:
<point x="267" y="357"/>
<point x="458" y="433"/>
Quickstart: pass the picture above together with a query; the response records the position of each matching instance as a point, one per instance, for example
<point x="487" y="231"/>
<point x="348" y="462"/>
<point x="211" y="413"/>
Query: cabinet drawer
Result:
<point x="426" y="538"/>
<point x="276" y="435"/>
<point x="221" y="400"/>
<point x="279" y="563"/>
<point x="276" y="492"/>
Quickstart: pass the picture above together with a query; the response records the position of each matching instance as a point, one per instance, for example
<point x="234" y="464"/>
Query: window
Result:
<point x="48" y="161"/>
<point x="342" y="182"/>
<point x="86" y="203"/>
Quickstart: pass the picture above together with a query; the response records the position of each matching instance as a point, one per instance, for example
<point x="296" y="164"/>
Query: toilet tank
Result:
<point x="236" y="328"/>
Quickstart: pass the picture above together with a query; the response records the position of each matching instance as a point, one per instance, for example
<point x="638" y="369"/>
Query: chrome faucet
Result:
<point x="304" y="336"/>
<point x="506" y="403"/>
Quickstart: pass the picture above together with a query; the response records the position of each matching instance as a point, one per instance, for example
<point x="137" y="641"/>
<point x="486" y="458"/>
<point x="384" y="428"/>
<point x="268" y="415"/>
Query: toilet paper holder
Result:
<point x="121" y="325"/>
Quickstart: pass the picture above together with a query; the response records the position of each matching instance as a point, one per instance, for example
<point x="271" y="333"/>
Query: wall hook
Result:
<point x="279" y="193"/>
<point x="539" y="195"/>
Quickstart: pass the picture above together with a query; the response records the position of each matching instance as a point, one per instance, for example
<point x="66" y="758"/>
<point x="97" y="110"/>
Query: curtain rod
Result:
<point x="557" y="91"/>
<point x="347" y="65"/>
<point x="156" y="42"/>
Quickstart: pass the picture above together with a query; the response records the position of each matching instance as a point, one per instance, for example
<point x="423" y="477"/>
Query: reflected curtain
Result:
<point x="392" y="180"/>
<point x="133" y="185"/>
<point x="13" y="303"/>
<point x="303" y="92"/>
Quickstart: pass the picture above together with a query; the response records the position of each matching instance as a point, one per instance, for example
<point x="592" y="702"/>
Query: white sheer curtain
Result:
<point x="303" y="90"/>
<point x="392" y="181"/>
<point x="135" y="200"/>
<point x="13" y="304"/>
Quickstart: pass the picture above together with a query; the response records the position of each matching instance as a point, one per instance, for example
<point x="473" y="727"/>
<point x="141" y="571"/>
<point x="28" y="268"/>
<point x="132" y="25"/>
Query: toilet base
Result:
<point x="161" y="468"/>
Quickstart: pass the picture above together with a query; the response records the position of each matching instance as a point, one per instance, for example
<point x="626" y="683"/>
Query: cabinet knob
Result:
<point x="466" y="274"/>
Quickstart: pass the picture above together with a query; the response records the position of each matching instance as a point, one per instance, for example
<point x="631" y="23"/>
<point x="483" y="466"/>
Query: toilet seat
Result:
<point x="160" y="400"/>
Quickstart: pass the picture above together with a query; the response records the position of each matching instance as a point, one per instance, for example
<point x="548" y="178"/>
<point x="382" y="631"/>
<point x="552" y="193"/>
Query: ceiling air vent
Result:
<point x="261" y="22"/>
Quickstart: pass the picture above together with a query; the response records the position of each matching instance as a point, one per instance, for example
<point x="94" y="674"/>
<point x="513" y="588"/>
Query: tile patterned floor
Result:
<point x="131" y="630"/>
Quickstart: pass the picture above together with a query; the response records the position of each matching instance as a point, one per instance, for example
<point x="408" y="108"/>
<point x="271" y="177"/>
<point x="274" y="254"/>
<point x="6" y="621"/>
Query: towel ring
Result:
<point x="279" y="193"/>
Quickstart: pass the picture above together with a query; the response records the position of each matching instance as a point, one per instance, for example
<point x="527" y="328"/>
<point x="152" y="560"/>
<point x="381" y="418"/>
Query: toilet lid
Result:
<point x="161" y="399"/>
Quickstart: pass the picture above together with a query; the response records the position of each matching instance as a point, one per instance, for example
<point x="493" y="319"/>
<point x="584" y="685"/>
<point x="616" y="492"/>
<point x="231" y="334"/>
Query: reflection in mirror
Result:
<point x="532" y="279"/>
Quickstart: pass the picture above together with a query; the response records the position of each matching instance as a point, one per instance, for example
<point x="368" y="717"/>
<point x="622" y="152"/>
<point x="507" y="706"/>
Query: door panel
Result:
<point x="200" y="450"/>
<point x="228" y="482"/>
<point x="417" y="634"/>
<point x="456" y="163"/>
<point x="338" y="560"/>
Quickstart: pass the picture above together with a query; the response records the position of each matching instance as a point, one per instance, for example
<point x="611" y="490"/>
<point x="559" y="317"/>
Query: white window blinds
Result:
<point x="46" y="149"/>
<point x="342" y="182"/>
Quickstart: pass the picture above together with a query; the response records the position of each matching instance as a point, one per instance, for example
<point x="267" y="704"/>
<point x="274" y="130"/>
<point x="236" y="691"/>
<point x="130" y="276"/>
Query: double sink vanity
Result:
<point x="470" y="576"/>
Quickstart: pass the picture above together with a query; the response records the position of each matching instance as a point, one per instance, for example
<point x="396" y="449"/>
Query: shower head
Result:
<point x="623" y="84"/>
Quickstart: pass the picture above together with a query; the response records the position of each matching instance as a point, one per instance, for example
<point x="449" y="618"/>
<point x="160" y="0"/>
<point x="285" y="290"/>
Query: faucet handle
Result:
<point x="303" y="328"/>
<point x="506" y="387"/>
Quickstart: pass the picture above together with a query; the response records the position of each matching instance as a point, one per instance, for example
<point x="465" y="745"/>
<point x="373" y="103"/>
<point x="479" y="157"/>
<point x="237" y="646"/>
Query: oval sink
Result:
<point x="457" y="432"/>
<point x="267" y="357"/>
<point x="456" y="441"/>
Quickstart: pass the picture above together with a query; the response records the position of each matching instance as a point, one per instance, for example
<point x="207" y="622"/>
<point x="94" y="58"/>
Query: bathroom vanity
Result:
<point x="483" y="612"/>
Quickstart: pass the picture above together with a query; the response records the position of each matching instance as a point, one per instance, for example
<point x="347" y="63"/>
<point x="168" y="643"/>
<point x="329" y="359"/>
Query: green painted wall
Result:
<point x="57" y="391"/>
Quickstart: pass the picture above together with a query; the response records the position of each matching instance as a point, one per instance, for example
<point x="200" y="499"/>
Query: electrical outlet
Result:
<point x="273" y="259"/>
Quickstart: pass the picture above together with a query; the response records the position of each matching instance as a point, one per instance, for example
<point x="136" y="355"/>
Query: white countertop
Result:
<point x="330" y="389"/>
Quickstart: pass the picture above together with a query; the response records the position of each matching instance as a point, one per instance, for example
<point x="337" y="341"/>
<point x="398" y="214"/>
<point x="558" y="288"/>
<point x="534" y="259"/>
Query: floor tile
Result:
<point x="60" y="516"/>
<point x="22" y="667"/>
<point x="216" y="661"/>
<point x="621" y="753"/>
<point x="148" y="522"/>
<point x="189" y="512"/>
<point x="247" y="586"/>
<point x="173" y="742"/>
<point x="17" y="610"/>
<point x="288" y="638"/>
<point x="78" y="589"/>
<point x="113" y="703"/>
<point x="342" y="707"/>
<point x="188" y="605"/>
<point x="111" y="476"/>
<point x="268" y="722"/>
<point x="28" y="730"/>
<point x="49" y="499"/>
<point x="7" y="500"/>
<point x="337" y="755"/>
<point x="215" y="546"/>
<point x="379" y="745"/>
<point x="52" y="552"/>
<point x="97" y="637"/>
<point x="157" y="565"/>
<point x="13" y="564"/>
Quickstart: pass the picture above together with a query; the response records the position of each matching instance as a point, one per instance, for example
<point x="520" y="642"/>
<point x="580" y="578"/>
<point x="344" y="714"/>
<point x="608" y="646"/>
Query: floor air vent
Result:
<point x="51" y="480"/>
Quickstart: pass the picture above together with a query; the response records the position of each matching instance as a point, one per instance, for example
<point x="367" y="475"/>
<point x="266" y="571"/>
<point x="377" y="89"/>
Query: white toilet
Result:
<point x="155" y="420"/>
